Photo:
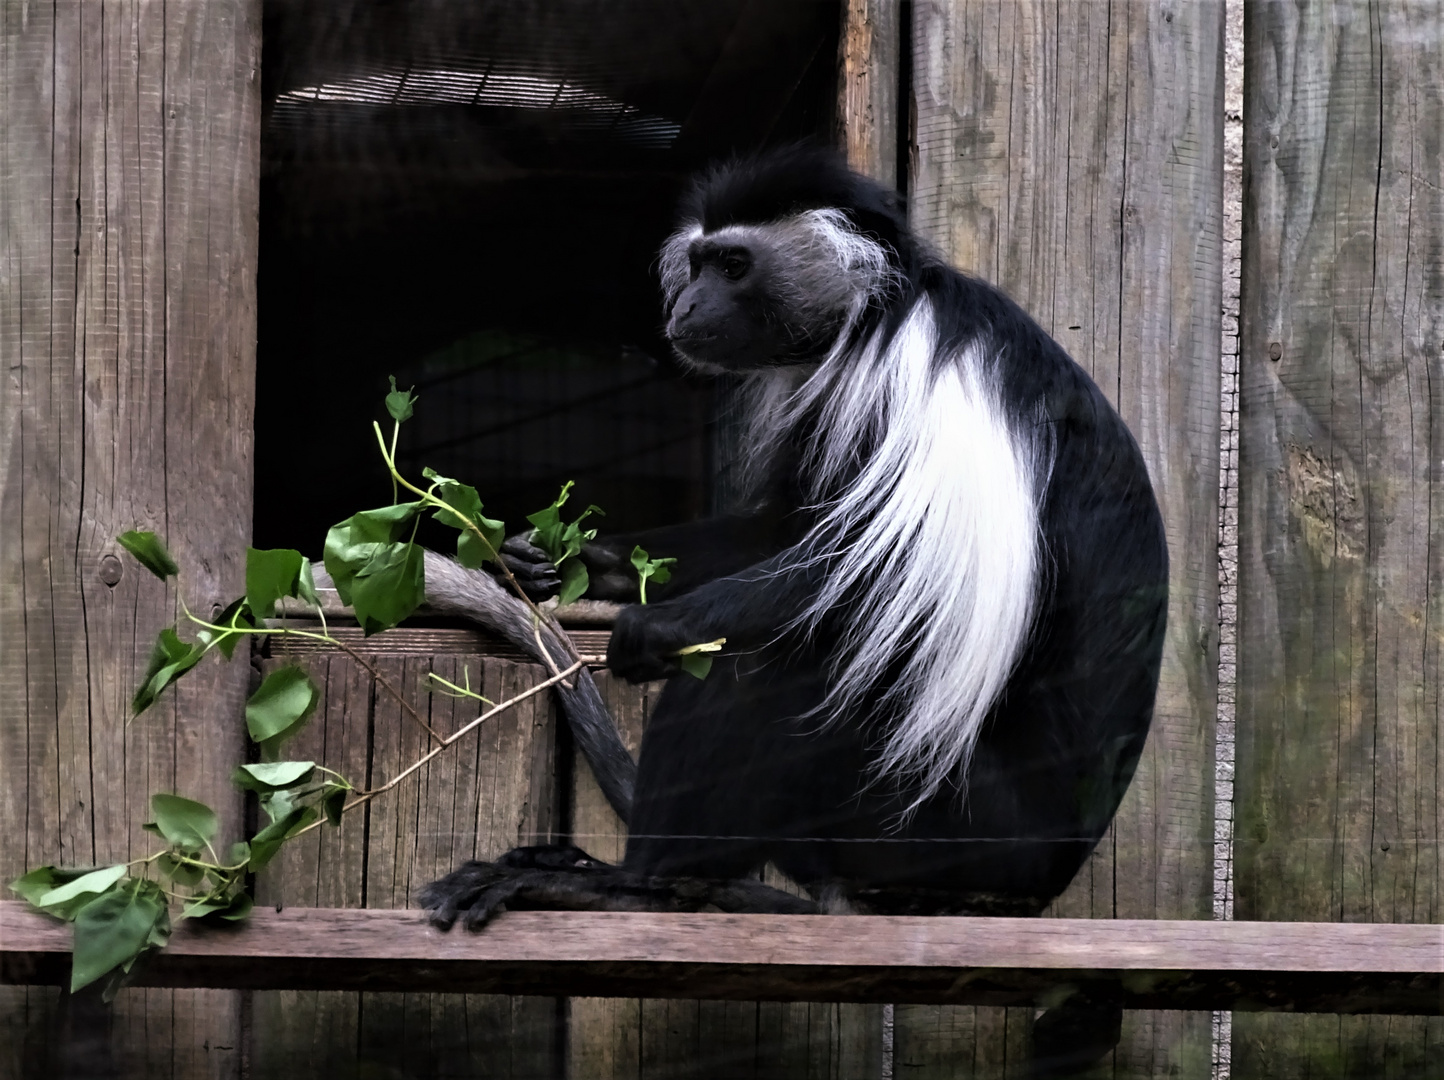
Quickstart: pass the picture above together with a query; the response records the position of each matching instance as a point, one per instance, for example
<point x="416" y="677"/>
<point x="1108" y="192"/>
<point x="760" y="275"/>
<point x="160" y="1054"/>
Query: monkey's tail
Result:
<point x="452" y="589"/>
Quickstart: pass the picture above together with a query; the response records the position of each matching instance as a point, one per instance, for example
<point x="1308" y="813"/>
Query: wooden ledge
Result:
<point x="1297" y="967"/>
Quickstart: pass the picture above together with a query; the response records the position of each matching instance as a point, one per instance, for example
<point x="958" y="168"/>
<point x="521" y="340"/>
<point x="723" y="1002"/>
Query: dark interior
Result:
<point x="470" y="196"/>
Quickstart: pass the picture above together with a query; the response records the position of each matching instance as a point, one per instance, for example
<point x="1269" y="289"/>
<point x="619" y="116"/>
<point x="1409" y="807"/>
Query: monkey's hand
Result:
<point x="645" y="640"/>
<point x="534" y="571"/>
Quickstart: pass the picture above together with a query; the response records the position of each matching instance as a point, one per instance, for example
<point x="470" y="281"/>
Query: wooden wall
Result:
<point x="128" y="201"/>
<point x="1341" y="505"/>
<point x="1068" y="150"/>
<point x="1071" y="152"/>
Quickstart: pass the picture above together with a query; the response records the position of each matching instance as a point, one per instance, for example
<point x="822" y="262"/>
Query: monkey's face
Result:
<point x="744" y="308"/>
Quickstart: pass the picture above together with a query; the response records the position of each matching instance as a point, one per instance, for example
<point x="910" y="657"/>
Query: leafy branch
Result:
<point x="119" y="913"/>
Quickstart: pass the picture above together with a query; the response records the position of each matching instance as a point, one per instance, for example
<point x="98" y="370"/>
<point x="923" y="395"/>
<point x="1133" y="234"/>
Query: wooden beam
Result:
<point x="1160" y="964"/>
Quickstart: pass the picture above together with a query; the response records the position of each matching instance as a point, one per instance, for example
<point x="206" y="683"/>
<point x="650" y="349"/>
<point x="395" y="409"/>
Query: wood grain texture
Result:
<point x="129" y="163"/>
<point x="1339" y="723"/>
<point x="491" y="792"/>
<point x="1161" y="962"/>
<point x="1071" y="152"/>
<point x="868" y="86"/>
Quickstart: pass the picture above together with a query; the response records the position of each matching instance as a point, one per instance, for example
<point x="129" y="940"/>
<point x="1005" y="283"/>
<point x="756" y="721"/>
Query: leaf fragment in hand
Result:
<point x="697" y="665"/>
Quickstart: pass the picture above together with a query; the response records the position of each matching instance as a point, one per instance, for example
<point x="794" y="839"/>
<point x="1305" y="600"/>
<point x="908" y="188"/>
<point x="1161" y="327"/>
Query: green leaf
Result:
<point x="334" y="803"/>
<point x="181" y="873"/>
<point x="306" y="585"/>
<point x="151" y="553"/>
<point x="392" y="588"/>
<point x="170" y="658"/>
<point x="238" y="614"/>
<point x="202" y="906"/>
<point x="650" y="568"/>
<point x="471" y="549"/>
<point x="231" y="908"/>
<point x="268" y="841"/>
<point x="35" y="884"/>
<point x="280" y="802"/>
<point x="695" y="664"/>
<point x="239" y="854"/>
<point x="64" y="899"/>
<point x="280" y="706"/>
<point x="399" y="402"/>
<point x="272" y="775"/>
<point x="574" y="581"/>
<point x="115" y="928"/>
<point x="380" y="576"/>
<point x="187" y="824"/>
<point x="274" y="573"/>
<point x="561" y="540"/>
<point x="240" y="908"/>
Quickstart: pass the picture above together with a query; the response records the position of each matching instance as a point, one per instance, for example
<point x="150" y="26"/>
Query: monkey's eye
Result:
<point x="734" y="265"/>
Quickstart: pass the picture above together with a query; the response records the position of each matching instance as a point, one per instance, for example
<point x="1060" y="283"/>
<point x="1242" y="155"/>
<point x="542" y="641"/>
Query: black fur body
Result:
<point x="762" y="761"/>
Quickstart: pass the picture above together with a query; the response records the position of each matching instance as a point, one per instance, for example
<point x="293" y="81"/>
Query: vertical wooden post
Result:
<point x="869" y="86"/>
<point x="129" y="165"/>
<point x="1342" y="364"/>
<point x="1071" y="152"/>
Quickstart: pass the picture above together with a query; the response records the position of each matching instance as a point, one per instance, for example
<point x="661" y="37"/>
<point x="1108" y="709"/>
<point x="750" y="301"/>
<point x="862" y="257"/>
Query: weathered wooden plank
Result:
<point x="130" y="163"/>
<point x="1339" y="721"/>
<point x="1161" y="963"/>
<point x="604" y="1037"/>
<point x="309" y="1033"/>
<point x="420" y="640"/>
<point x="491" y="792"/>
<point x="869" y="86"/>
<point x="1071" y="152"/>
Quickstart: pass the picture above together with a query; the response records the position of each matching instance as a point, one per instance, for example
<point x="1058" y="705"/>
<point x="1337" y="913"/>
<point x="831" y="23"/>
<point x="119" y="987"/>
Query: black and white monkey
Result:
<point x="944" y="607"/>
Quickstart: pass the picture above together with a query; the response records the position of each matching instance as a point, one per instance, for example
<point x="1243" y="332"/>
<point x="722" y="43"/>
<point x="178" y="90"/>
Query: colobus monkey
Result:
<point x="944" y="608"/>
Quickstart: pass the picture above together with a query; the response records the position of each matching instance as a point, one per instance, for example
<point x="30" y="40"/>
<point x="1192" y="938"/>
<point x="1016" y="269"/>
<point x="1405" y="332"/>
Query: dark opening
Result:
<point x="470" y="196"/>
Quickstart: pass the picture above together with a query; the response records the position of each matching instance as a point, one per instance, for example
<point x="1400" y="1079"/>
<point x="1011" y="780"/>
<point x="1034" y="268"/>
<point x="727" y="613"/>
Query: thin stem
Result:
<point x="458" y="691"/>
<point x="328" y="639"/>
<point x="431" y="500"/>
<point x="386" y="685"/>
<point x="367" y="796"/>
<point x="395" y="433"/>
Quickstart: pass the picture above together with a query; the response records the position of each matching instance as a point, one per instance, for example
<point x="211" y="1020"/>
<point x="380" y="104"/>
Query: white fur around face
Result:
<point x="825" y="264"/>
<point x="934" y="539"/>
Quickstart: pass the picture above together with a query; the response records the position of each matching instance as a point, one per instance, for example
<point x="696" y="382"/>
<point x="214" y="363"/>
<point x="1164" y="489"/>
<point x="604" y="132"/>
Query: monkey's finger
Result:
<point x="526" y="571"/>
<point x="489" y="903"/>
<point x="523" y="549"/>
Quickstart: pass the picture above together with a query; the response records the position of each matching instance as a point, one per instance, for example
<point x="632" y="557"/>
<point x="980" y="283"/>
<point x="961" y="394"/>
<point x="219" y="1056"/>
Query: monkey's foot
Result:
<point x="565" y="878"/>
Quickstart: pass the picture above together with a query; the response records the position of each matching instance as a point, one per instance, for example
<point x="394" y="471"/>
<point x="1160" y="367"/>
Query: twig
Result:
<point x="546" y="656"/>
<point x="367" y="796"/>
<point x="386" y="685"/>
